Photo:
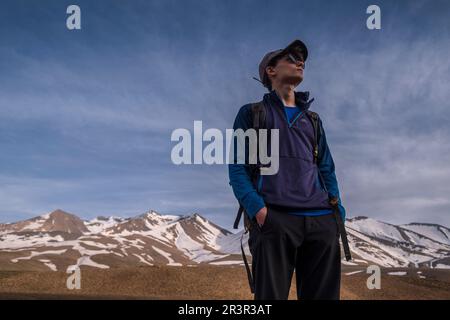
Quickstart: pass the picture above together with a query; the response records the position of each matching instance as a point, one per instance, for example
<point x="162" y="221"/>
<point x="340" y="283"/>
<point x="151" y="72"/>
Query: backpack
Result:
<point x="258" y="111"/>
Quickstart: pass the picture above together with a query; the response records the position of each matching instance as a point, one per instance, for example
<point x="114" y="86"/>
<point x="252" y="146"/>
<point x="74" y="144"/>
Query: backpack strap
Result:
<point x="333" y="201"/>
<point x="314" y="117"/>
<point x="238" y="216"/>
<point x="341" y="227"/>
<point x="317" y="133"/>
<point x="258" y="115"/>
<point x="250" y="278"/>
<point x="258" y="111"/>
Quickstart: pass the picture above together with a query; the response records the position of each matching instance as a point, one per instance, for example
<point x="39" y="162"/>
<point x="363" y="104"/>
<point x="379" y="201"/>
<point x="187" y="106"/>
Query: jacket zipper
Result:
<point x="290" y="124"/>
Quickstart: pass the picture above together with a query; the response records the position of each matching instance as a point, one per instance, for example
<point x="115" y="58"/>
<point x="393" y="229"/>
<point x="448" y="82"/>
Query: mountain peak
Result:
<point x="59" y="212"/>
<point x="60" y="220"/>
<point x="192" y="217"/>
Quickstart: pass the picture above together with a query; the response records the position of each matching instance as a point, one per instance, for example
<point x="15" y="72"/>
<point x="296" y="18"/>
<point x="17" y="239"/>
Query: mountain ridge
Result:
<point x="59" y="240"/>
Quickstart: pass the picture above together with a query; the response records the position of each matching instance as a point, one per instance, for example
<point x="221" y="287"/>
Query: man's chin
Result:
<point x="294" y="81"/>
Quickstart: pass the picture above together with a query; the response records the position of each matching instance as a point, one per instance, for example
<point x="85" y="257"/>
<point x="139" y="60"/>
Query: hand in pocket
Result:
<point x="261" y="216"/>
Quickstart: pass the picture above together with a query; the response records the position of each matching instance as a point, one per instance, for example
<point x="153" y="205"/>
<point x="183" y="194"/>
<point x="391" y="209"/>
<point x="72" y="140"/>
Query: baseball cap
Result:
<point x="293" y="46"/>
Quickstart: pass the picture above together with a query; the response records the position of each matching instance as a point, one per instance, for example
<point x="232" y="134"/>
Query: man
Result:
<point x="292" y="222"/>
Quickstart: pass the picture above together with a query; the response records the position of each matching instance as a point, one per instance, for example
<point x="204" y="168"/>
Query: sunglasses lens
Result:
<point x="298" y="55"/>
<point x="292" y="58"/>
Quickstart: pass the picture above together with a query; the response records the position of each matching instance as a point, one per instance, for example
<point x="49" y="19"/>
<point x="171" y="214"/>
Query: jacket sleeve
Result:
<point x="327" y="170"/>
<point x="239" y="174"/>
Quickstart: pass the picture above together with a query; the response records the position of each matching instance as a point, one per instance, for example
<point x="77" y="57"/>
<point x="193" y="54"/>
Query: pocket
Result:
<point x="333" y="224"/>
<point x="263" y="227"/>
<point x="266" y="220"/>
<point x="295" y="183"/>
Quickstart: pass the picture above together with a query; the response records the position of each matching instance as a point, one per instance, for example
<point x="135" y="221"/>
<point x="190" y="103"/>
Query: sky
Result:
<point x="86" y="115"/>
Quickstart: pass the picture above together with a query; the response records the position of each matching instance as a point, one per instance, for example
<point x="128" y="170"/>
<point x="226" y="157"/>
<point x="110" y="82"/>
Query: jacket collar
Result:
<point x="301" y="99"/>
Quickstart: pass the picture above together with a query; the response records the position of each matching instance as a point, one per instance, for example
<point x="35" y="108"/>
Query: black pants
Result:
<point x="285" y="242"/>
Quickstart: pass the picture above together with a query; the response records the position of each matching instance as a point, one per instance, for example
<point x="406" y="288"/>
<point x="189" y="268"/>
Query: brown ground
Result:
<point x="203" y="282"/>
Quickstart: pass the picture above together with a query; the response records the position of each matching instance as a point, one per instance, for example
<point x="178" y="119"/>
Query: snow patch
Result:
<point x="397" y="273"/>
<point x="228" y="262"/>
<point x="353" y="272"/>
<point x="86" y="261"/>
<point x="38" y="253"/>
<point x="49" y="264"/>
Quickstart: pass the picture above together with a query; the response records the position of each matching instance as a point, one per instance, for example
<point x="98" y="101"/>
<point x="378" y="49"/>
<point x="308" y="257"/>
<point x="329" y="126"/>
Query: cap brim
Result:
<point x="297" y="45"/>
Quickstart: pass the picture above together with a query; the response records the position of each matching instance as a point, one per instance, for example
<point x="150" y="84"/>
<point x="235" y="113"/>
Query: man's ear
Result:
<point x="270" y="71"/>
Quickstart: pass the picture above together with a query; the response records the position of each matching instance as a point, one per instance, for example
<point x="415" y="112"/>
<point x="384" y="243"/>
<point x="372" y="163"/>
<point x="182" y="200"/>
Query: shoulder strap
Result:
<point x="317" y="132"/>
<point x="258" y="115"/>
<point x="258" y="122"/>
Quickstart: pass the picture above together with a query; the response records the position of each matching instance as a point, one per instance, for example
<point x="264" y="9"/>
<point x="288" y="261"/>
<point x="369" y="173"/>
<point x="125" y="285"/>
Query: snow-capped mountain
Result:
<point x="60" y="240"/>
<point x="411" y="245"/>
<point x="57" y="220"/>
<point x="432" y="231"/>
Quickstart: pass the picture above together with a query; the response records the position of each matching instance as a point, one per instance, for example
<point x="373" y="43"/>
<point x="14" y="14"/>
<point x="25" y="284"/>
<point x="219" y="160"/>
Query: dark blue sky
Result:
<point x="86" y="116"/>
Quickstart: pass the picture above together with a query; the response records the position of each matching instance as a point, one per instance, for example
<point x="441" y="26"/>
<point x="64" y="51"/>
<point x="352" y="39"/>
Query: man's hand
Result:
<point x="334" y="201"/>
<point x="261" y="216"/>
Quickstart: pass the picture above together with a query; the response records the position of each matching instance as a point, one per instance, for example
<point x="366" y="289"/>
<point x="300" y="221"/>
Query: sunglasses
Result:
<point x="295" y="57"/>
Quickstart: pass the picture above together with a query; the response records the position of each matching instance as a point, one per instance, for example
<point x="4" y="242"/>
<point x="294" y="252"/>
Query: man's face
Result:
<point x="288" y="70"/>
